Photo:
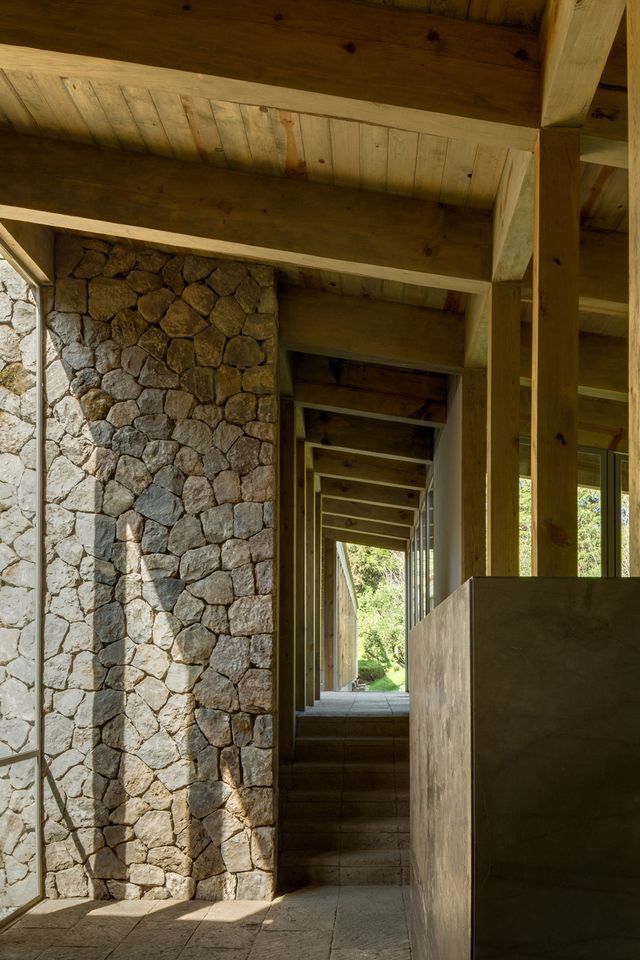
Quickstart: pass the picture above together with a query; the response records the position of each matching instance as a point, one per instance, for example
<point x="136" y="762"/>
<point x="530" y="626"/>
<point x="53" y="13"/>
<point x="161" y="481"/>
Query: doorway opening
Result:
<point x="379" y="579"/>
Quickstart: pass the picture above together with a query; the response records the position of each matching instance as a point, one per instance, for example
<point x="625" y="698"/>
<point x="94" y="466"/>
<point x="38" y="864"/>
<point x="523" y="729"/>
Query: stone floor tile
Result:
<point x="56" y="914"/>
<point x="281" y="944"/>
<point x="63" y="952"/>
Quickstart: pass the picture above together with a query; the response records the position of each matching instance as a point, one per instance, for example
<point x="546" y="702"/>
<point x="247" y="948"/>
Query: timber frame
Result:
<point x="442" y="199"/>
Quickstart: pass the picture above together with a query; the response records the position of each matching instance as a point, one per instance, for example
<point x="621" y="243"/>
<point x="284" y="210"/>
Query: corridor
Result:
<point x="326" y="923"/>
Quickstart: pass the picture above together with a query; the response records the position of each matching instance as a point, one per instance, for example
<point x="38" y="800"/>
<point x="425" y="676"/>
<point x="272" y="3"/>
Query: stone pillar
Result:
<point x="161" y="410"/>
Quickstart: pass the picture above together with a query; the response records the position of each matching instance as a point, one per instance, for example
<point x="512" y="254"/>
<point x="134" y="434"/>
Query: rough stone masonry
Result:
<point x="161" y="421"/>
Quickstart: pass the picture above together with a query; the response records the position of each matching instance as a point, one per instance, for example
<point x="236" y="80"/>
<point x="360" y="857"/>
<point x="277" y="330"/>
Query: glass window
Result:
<point x="590" y="516"/>
<point x="623" y="515"/>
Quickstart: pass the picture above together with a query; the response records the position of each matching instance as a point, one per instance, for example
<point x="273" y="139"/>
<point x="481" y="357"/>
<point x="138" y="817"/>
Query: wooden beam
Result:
<point x="604" y="133"/>
<point x="368" y="511"/>
<point x="555" y="355"/>
<point x="351" y="466"/>
<point x="366" y="539"/>
<point x="576" y="42"/>
<point x="633" y="66"/>
<point x="341" y="386"/>
<point x="351" y="434"/>
<point x="29" y="249"/>
<point x="374" y="493"/>
<point x="451" y="78"/>
<point x="473" y="473"/>
<point x="347" y="524"/>
<point x="503" y="431"/>
<point x="371" y="331"/>
<point x="310" y="584"/>
<point x="513" y="219"/>
<point x="286" y="577"/>
<point x="300" y="585"/>
<point x="604" y="274"/>
<point x="213" y="210"/>
<point x="601" y="423"/>
<point x="602" y="368"/>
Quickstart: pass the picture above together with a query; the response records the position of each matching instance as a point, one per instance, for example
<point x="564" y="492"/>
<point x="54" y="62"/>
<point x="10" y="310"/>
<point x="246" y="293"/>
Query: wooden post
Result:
<point x="329" y="575"/>
<point x="310" y="589"/>
<point x="474" y="473"/>
<point x="503" y="430"/>
<point x="317" y="638"/>
<point x="554" y="374"/>
<point x="633" y="95"/>
<point x="299" y="576"/>
<point x="286" y="575"/>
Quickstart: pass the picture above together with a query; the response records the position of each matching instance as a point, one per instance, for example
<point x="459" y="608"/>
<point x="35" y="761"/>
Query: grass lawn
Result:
<point x="393" y="680"/>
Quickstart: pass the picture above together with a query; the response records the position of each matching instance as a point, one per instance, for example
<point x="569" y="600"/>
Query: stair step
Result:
<point x="344" y="867"/>
<point x="363" y="776"/>
<point x="351" y="749"/>
<point x="314" y="726"/>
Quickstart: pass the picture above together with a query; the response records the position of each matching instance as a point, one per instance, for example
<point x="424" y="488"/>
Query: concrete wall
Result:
<point x="161" y="410"/>
<point x="447" y="487"/>
<point x="555" y="728"/>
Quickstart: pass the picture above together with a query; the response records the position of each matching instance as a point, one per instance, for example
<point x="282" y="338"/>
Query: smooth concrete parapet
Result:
<point x="525" y="780"/>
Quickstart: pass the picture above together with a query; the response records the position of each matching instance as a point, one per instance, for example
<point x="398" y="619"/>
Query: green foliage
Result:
<point x="370" y="670"/>
<point x="378" y="577"/>
<point x="393" y="680"/>
<point x="589" y="530"/>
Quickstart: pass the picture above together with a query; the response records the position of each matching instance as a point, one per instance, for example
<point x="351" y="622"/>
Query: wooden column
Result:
<point x="474" y="473"/>
<point x="633" y="94"/>
<point x="317" y="640"/>
<point x="286" y="575"/>
<point x="503" y="430"/>
<point x="300" y="506"/>
<point x="554" y="374"/>
<point x="310" y="589"/>
<point x="329" y="591"/>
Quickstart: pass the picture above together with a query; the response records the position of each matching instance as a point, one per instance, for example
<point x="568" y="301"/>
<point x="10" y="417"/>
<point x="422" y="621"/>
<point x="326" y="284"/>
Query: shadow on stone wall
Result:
<point x="160" y="490"/>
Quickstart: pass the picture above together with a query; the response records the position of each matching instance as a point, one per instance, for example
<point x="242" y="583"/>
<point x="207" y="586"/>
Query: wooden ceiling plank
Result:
<point x="371" y="331"/>
<point x="453" y="78"/>
<point x="351" y="466"/>
<point x="359" y="434"/>
<point x="362" y="491"/>
<point x="264" y="218"/>
<point x="368" y="511"/>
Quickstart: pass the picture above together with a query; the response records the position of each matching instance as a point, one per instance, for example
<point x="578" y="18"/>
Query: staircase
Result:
<point x="345" y="802"/>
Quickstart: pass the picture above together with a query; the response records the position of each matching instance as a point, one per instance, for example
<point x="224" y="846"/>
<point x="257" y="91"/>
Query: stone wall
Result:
<point x="161" y="409"/>
<point x="18" y="354"/>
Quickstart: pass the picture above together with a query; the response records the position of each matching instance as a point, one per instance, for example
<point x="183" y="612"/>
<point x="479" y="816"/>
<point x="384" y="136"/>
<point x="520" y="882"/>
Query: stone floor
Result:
<point x="316" y="923"/>
<point x="360" y="704"/>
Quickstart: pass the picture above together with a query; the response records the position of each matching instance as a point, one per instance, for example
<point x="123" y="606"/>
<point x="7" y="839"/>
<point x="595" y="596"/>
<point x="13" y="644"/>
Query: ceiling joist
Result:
<point x="373" y="493"/>
<point x="347" y="466"/>
<point x="365" y="539"/>
<point x="368" y="511"/>
<point x="171" y="202"/>
<point x="358" y="434"/>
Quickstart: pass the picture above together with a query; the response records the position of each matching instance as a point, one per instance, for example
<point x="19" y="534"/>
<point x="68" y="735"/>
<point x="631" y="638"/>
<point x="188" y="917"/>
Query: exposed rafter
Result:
<point x="343" y="386"/>
<point x="374" y="493"/>
<point x="339" y="432"/>
<point x="576" y="41"/>
<point x="366" y="539"/>
<point x="368" y="511"/>
<point x="158" y="200"/>
<point x="450" y="77"/>
<point x="373" y="331"/>
<point x="29" y="249"/>
<point x="352" y="525"/>
<point x="395" y="473"/>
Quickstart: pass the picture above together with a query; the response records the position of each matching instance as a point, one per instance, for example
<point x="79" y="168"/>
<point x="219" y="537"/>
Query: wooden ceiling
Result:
<point x="60" y="94"/>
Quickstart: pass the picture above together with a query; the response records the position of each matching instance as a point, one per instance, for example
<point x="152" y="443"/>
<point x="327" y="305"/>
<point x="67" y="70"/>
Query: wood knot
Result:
<point x="278" y="17"/>
<point x="561" y="439"/>
<point x="521" y="54"/>
<point x="433" y="36"/>
<point x="350" y="47"/>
